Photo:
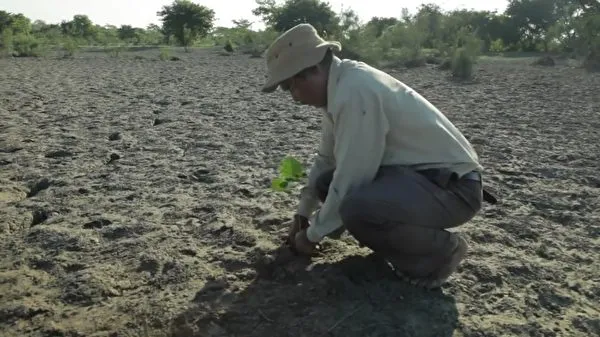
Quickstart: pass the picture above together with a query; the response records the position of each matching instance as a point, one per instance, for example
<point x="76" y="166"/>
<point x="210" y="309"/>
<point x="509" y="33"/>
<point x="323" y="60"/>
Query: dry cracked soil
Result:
<point x="135" y="201"/>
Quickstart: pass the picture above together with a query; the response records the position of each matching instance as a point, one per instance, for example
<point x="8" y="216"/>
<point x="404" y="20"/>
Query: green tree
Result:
<point x="80" y="27"/>
<point x="153" y="35"/>
<point x="380" y="24"/>
<point x="429" y="19"/>
<point x="242" y="23"/>
<point x="501" y="27"/>
<point x="5" y="20"/>
<point x="534" y="19"/>
<point x="186" y="21"/>
<point x="130" y="34"/>
<point x="293" y="12"/>
<point x="587" y="27"/>
<point x="18" y="23"/>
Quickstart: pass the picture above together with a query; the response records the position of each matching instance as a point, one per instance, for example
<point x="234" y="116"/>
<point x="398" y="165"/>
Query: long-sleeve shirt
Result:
<point x="371" y="120"/>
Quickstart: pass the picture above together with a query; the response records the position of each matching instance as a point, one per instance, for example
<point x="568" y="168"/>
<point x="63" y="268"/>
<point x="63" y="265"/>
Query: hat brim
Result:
<point x="274" y="82"/>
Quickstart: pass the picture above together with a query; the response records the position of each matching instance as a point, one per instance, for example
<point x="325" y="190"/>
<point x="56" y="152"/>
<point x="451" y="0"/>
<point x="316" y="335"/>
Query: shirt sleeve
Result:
<point x="324" y="161"/>
<point x="360" y="129"/>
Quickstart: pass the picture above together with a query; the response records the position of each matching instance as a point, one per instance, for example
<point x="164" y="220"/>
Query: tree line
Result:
<point x="558" y="26"/>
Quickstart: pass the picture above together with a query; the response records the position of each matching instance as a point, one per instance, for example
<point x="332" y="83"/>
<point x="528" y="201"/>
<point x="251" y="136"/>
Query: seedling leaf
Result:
<point x="279" y="184"/>
<point x="291" y="168"/>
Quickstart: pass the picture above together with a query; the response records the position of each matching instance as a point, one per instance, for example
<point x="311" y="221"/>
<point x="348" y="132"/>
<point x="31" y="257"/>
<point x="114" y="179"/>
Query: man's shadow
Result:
<point x="356" y="296"/>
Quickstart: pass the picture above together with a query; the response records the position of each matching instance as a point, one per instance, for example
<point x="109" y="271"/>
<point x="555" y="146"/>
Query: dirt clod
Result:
<point x="114" y="136"/>
<point x="38" y="187"/>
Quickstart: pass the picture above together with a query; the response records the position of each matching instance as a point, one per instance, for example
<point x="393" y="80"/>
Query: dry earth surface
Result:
<point x="135" y="201"/>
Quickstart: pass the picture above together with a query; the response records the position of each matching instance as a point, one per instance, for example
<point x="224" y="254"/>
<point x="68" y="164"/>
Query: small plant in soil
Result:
<point x="290" y="171"/>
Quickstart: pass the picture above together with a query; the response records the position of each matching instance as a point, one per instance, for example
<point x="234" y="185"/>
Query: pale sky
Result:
<point x="140" y="13"/>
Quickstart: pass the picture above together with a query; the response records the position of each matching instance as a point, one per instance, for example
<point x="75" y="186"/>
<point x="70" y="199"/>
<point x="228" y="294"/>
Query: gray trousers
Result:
<point x="403" y="214"/>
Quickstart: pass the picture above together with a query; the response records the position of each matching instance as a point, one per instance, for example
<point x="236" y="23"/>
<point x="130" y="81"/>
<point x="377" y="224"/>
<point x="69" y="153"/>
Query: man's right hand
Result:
<point x="298" y="223"/>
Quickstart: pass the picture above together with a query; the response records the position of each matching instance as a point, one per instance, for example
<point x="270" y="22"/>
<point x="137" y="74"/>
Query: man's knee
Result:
<point x="361" y="223"/>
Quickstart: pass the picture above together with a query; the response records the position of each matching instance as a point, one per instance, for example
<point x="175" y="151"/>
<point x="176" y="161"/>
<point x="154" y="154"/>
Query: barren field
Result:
<point x="135" y="201"/>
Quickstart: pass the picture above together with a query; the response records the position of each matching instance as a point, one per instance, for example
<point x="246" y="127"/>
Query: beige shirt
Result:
<point x="372" y="119"/>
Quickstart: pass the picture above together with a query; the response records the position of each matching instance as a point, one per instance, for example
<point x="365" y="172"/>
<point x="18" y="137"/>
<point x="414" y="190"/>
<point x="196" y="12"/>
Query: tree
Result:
<point x="186" y="21"/>
<point x="534" y="18"/>
<point x="81" y="26"/>
<point x="379" y="24"/>
<point x="293" y="12"/>
<point x="5" y="20"/>
<point x="131" y="34"/>
<point x="242" y="23"/>
<point x="18" y="23"/>
<point x="429" y="19"/>
<point x="587" y="27"/>
<point x="590" y="6"/>
<point x="153" y="35"/>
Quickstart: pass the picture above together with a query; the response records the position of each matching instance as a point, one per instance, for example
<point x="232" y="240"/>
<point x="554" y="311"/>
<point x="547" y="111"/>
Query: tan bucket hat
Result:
<point x="298" y="48"/>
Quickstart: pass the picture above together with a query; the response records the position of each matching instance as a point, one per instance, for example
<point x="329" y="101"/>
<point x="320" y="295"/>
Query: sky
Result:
<point x="141" y="13"/>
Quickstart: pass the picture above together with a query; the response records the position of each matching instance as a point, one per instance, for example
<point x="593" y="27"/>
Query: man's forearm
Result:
<point x="309" y="199"/>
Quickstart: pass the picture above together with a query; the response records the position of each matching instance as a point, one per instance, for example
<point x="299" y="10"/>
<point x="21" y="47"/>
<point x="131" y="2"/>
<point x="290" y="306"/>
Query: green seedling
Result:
<point x="290" y="171"/>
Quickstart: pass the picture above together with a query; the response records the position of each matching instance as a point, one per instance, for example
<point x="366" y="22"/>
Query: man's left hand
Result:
<point x="303" y="245"/>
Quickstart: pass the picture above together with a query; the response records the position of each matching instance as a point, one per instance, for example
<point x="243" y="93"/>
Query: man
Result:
<point x="391" y="168"/>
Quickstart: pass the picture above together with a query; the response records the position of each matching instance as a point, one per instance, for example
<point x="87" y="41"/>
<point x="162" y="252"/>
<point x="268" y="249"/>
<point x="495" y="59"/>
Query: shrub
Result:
<point x="546" y="61"/>
<point x="463" y="54"/>
<point x="70" y="47"/>
<point x="412" y="57"/>
<point x="497" y="46"/>
<point x="164" y="54"/>
<point x="256" y="51"/>
<point x="462" y="64"/>
<point x="361" y="48"/>
<point x="6" y="43"/>
<point x="402" y="44"/>
<point x="228" y="46"/>
<point x="116" y="50"/>
<point x="445" y="65"/>
<point x="592" y="61"/>
<point x="25" y="45"/>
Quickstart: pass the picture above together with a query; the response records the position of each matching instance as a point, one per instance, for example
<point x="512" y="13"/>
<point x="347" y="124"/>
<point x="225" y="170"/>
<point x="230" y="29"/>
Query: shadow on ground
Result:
<point x="355" y="296"/>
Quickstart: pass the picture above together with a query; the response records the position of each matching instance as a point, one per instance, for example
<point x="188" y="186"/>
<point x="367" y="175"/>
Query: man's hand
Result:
<point x="298" y="223"/>
<point x="303" y="245"/>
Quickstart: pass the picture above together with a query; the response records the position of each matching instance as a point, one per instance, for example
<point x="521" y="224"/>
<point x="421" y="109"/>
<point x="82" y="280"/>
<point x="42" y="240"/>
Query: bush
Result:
<point x="462" y="54"/>
<point x="445" y="65"/>
<point x="462" y="64"/>
<point x="256" y="51"/>
<point x="164" y="54"/>
<point x="115" y="51"/>
<point x="244" y="41"/>
<point x="497" y="46"/>
<point x="6" y="43"/>
<point x="228" y="46"/>
<point x="592" y="61"/>
<point x="363" y="46"/>
<point x="25" y="45"/>
<point x="69" y="47"/>
<point x="546" y="61"/>
<point x="403" y="44"/>
<point x="412" y="57"/>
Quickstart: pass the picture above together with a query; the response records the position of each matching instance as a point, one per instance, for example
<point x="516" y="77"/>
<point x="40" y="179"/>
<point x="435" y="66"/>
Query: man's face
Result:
<point x="309" y="87"/>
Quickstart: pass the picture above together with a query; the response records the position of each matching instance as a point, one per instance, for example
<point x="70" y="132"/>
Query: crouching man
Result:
<point x="391" y="168"/>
